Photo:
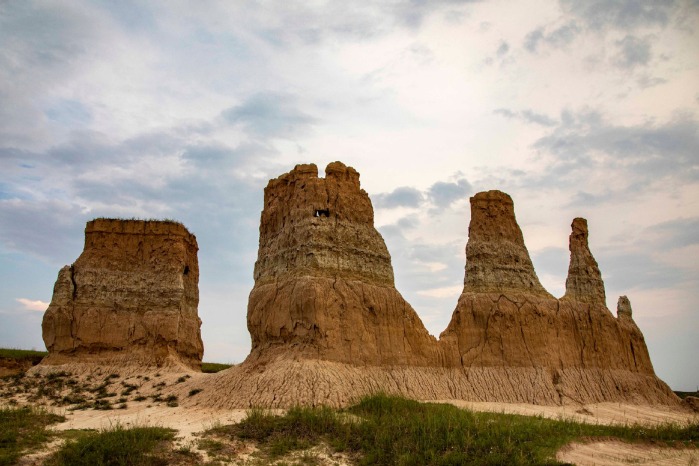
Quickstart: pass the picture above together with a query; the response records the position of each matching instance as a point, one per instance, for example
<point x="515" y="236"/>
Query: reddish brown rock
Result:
<point x="131" y="297"/>
<point x="588" y="354"/>
<point x="496" y="258"/>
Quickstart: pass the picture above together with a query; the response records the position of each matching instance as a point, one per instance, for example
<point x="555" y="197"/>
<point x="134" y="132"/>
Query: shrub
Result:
<point x="115" y="446"/>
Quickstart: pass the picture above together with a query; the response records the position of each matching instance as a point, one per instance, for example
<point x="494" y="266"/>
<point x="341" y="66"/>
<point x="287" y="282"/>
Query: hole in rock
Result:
<point x="322" y="213"/>
<point x="186" y="270"/>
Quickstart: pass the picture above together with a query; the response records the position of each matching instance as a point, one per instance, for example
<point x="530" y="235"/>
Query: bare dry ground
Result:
<point x="615" y="453"/>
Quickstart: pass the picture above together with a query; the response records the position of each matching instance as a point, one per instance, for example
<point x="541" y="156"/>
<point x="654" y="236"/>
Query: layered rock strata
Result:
<point x="323" y="278"/>
<point x="584" y="352"/>
<point x="131" y="297"/>
<point x="584" y="282"/>
<point x="328" y="325"/>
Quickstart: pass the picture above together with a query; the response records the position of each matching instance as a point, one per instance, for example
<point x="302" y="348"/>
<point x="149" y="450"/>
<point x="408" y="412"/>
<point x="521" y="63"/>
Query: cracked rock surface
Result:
<point x="130" y="297"/>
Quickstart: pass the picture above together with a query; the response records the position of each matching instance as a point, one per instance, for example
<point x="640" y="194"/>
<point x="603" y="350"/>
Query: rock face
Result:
<point x="131" y="297"/>
<point x="328" y="325"/>
<point x="323" y="278"/>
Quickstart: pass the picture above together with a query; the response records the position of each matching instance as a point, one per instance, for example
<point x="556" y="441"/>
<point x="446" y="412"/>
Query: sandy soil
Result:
<point x="596" y="413"/>
<point x="615" y="453"/>
<point x="186" y="420"/>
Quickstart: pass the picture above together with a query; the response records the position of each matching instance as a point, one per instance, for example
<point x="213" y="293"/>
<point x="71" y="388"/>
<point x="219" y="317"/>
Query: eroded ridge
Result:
<point x="131" y="297"/>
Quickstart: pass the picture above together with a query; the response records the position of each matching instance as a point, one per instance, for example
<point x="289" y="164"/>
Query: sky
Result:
<point x="185" y="110"/>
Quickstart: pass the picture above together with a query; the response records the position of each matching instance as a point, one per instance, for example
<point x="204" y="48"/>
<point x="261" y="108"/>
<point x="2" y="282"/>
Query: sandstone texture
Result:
<point x="587" y="354"/>
<point x="584" y="282"/>
<point x="131" y="297"/>
<point x="328" y="325"/>
<point x="323" y="278"/>
<point x="496" y="258"/>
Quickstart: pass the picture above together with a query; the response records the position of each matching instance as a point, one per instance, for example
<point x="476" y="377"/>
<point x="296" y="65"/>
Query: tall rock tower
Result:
<point x="130" y="298"/>
<point x="323" y="278"/>
<point x="559" y="350"/>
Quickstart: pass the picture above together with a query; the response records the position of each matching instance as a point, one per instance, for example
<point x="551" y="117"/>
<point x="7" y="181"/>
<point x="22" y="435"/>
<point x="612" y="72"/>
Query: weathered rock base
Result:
<point x="284" y="383"/>
<point x="134" y="361"/>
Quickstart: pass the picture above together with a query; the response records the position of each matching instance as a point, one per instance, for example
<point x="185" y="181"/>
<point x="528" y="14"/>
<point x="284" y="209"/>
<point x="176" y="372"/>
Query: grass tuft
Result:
<point x="115" y="446"/>
<point x="213" y="367"/>
<point x="23" y="429"/>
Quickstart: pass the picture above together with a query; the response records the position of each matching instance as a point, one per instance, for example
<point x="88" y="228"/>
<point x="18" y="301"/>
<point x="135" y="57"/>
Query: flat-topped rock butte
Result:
<point x="130" y="298"/>
<point x="327" y="323"/>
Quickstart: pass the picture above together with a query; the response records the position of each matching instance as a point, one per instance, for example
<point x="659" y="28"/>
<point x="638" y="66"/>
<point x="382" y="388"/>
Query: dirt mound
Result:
<point x="130" y="298"/>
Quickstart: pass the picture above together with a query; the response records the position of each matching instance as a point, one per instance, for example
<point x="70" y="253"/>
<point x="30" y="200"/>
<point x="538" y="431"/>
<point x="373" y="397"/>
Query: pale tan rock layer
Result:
<point x="328" y="325"/>
<point x="131" y="296"/>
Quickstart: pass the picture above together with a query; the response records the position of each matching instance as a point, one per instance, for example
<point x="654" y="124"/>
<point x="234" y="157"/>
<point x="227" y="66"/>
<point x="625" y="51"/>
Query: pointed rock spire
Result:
<point x="496" y="257"/>
<point x="584" y="282"/>
<point x="623" y="307"/>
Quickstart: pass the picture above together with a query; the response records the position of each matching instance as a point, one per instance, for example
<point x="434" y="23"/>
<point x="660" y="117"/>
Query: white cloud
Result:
<point x="32" y="305"/>
<point x="444" y="292"/>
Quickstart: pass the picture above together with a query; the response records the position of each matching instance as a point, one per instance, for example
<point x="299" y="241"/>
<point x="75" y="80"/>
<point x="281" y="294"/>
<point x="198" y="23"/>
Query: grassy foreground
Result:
<point x="138" y="446"/>
<point x="385" y="430"/>
<point x="380" y="430"/>
<point x="22" y="430"/>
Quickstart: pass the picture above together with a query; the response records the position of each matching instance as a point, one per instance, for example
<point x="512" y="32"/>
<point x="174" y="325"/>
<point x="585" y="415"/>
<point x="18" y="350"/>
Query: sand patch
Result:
<point x="186" y="421"/>
<point x="593" y="413"/>
<point x="613" y="453"/>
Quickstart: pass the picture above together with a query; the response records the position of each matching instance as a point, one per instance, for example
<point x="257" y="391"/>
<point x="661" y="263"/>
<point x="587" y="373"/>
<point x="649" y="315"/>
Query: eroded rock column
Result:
<point x="324" y="280"/>
<point x="131" y="297"/>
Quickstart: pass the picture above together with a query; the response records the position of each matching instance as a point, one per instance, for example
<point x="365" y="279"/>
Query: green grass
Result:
<point x="117" y="446"/>
<point x="23" y="429"/>
<point x="20" y="354"/>
<point x="213" y="367"/>
<point x="384" y="430"/>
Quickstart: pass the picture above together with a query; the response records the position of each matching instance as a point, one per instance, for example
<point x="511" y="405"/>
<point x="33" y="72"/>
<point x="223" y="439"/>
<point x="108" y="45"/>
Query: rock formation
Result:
<point x="323" y="278"/>
<point x="582" y="351"/>
<point x="584" y="282"/>
<point x="131" y="297"/>
<point x="328" y="325"/>
<point x="496" y="258"/>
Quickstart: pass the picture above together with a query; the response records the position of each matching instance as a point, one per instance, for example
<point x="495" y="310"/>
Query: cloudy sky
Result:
<point x="185" y="110"/>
